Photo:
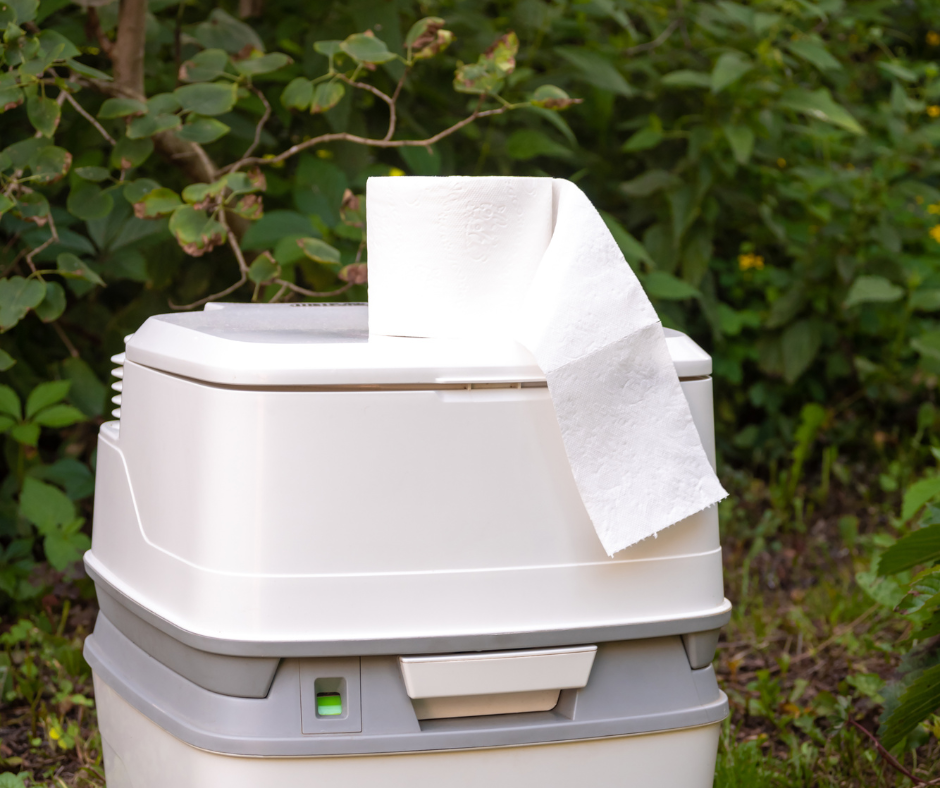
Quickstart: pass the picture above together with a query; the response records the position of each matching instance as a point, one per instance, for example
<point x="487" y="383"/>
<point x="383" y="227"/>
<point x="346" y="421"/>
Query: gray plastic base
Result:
<point x="638" y="686"/>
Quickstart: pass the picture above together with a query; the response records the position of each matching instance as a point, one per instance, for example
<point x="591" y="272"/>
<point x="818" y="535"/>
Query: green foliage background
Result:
<point x="769" y="169"/>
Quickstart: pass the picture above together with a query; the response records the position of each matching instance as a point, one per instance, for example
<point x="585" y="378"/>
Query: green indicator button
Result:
<point x="329" y="704"/>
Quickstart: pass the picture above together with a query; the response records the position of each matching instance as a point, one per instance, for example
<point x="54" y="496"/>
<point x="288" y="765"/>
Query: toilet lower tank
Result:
<point x="628" y="713"/>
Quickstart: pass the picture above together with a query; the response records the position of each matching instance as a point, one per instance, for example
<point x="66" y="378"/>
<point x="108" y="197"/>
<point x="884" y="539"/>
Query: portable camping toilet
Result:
<point x="311" y="545"/>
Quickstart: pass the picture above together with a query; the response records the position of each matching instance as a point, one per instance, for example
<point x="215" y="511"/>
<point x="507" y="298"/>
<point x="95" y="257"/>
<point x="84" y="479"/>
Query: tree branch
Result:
<point x="660" y="39"/>
<point x="891" y="760"/>
<point x="53" y="237"/>
<point x="312" y="293"/>
<point x="84" y="113"/>
<point x="382" y="143"/>
<point x="128" y="53"/>
<point x="260" y="126"/>
<point x="93" y="31"/>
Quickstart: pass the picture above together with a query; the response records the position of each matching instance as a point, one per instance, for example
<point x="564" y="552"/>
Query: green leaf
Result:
<point x="88" y="394"/>
<point x="920" y="548"/>
<point x="632" y="249"/>
<point x="45" y="506"/>
<point x="326" y="96"/>
<point x="195" y="232"/>
<point x="328" y="48"/>
<point x="162" y="103"/>
<point x="644" y="139"/>
<point x="659" y="284"/>
<point x="23" y="153"/>
<point x="10" y="98"/>
<point x="66" y="547"/>
<point x="17" y="297"/>
<point x="121" y="108"/>
<point x="274" y="226"/>
<point x="46" y="394"/>
<point x="24" y="10"/>
<point x="223" y="31"/>
<point x="27" y="434"/>
<point x="32" y="207"/>
<point x="898" y="71"/>
<point x="687" y="79"/>
<point x="731" y="66"/>
<point x="135" y="191"/>
<point x="650" y="182"/>
<point x="53" y="305"/>
<point x="918" y="494"/>
<point x="95" y="174"/>
<point x="741" y="140"/>
<point x="298" y="94"/>
<point x="10" y="403"/>
<point x="71" y="267"/>
<point x="872" y="290"/>
<point x="88" y="71"/>
<point x="129" y="153"/>
<point x="422" y="29"/>
<point x="51" y="164"/>
<point x="6" y="361"/>
<point x="5" y="204"/>
<point x="263" y="64"/>
<point x="595" y="69"/>
<point x="366" y="49"/>
<point x="149" y="125"/>
<point x="263" y="268"/>
<point x="928" y="344"/>
<point x="319" y="250"/>
<point x="59" y="416"/>
<point x="87" y="201"/>
<point x="159" y="202"/>
<point x="524" y="144"/>
<point x="204" y="66"/>
<point x="820" y="105"/>
<point x="551" y="97"/>
<point x="815" y="53"/>
<point x="207" y="98"/>
<point x="927" y="300"/>
<point x="916" y="704"/>
<point x="203" y="130"/>
<point x="44" y="114"/>
<point x="800" y="345"/>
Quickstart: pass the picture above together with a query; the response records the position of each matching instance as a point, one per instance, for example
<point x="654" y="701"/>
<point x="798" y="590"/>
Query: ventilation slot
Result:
<point x="118" y="385"/>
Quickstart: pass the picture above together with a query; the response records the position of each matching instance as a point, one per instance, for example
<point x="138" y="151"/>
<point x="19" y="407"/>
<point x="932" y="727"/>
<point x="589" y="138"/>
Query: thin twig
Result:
<point x="393" y="116"/>
<point x="312" y="293"/>
<point x="278" y="294"/>
<point x="93" y="26"/>
<point x="242" y="267"/>
<point x="260" y="126"/>
<point x="345" y="137"/>
<point x="84" y="113"/>
<point x="660" y="39"/>
<point x="73" y="351"/>
<point x="53" y="237"/>
<point x="887" y="755"/>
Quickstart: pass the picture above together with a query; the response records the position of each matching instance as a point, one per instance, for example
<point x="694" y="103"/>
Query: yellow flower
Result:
<point x="396" y="172"/>
<point x="781" y="163"/>
<point x="933" y="38"/>
<point x="934" y="209"/>
<point x="323" y="153"/>
<point x="934" y="111"/>
<point x="54" y="734"/>
<point x="935" y="233"/>
<point x="747" y="261"/>
<point x="276" y="165"/>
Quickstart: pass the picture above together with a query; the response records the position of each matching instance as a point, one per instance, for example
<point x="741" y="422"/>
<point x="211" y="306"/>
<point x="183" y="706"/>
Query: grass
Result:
<point x="806" y="660"/>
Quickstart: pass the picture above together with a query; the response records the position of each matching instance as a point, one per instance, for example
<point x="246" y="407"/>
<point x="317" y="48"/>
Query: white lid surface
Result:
<point x="329" y="344"/>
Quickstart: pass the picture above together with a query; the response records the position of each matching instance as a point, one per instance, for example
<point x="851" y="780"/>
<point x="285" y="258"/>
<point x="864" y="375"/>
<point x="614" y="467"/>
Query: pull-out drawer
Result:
<point x="496" y="682"/>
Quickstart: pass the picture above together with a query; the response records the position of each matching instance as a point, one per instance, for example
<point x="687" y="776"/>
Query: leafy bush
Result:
<point x="916" y="697"/>
<point x="769" y="168"/>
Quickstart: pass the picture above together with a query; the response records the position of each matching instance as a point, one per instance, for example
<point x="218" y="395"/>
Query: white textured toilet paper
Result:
<point x="531" y="258"/>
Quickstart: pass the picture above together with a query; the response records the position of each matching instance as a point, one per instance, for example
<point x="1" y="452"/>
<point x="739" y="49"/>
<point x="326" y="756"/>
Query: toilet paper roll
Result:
<point x="531" y="259"/>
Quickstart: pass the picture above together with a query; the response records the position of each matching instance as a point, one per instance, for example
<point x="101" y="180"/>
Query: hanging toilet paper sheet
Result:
<point x="530" y="258"/>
